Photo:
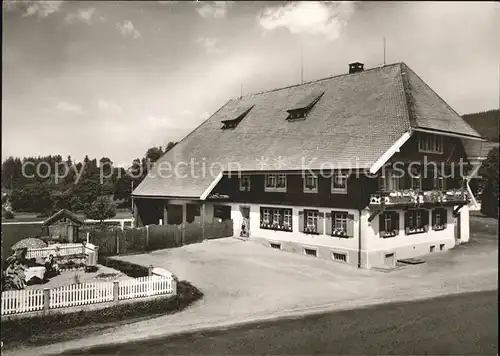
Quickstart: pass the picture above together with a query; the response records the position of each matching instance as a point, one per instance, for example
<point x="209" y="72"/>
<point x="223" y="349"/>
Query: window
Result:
<point x="265" y="217"/>
<point x="415" y="179"/>
<point x="416" y="221"/>
<point x="441" y="247"/>
<point x="304" y="106"/>
<point x="432" y="248"/>
<point x="440" y="182"/>
<point x="340" y="257"/>
<point x="287" y="218"/>
<point x="237" y="115"/>
<point x="310" y="184"/>
<point x="310" y="252"/>
<point x="390" y="181"/>
<point x="339" y="221"/>
<point x="276" y="246"/>
<point x="311" y="221"/>
<point x="430" y="143"/>
<point x="275" y="182"/>
<point x="339" y="183"/>
<point x="245" y="183"/>
<point x="439" y="219"/>
<point x="276" y="219"/>
<point x="340" y="224"/>
<point x="222" y="212"/>
<point x="297" y="114"/>
<point x="389" y="224"/>
<point x="281" y="183"/>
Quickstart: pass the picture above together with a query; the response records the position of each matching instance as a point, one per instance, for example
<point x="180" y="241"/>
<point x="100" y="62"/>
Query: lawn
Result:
<point x="103" y="274"/>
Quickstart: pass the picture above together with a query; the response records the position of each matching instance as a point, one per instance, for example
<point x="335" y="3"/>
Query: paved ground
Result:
<point x="243" y="281"/>
<point x="463" y="324"/>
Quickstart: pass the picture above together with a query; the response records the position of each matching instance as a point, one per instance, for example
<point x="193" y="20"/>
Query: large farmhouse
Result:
<point x="364" y="168"/>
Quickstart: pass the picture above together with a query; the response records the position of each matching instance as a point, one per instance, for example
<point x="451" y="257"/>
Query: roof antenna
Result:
<point x="384" y="51"/>
<point x="301" y="65"/>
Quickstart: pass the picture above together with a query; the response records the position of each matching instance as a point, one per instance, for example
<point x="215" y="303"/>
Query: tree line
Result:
<point x="43" y="185"/>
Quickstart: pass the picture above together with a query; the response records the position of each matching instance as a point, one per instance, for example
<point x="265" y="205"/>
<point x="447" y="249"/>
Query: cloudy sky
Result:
<point x="115" y="78"/>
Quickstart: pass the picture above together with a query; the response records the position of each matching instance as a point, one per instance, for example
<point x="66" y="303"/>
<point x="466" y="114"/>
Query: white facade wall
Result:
<point x="295" y="235"/>
<point x="371" y="249"/>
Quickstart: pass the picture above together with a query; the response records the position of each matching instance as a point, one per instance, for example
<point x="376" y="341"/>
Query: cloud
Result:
<point x="66" y="107"/>
<point x="216" y="9"/>
<point x="83" y="15"/>
<point x="127" y="29"/>
<point x="210" y="44"/>
<point x="33" y="7"/>
<point x="109" y="106"/>
<point x="309" y="17"/>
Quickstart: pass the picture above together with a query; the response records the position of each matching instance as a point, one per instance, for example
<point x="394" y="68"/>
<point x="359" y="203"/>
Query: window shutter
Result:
<point x="444" y="218"/>
<point x="433" y="219"/>
<point x="407" y="218"/>
<point x="381" y="225"/>
<point x="301" y="221"/>
<point x="395" y="222"/>
<point x="350" y="225"/>
<point x="321" y="222"/>
<point x="328" y="229"/>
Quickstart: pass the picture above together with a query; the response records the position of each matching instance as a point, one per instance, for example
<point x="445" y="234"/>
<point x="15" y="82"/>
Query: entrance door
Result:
<point x="245" y="221"/>
<point x="457" y="228"/>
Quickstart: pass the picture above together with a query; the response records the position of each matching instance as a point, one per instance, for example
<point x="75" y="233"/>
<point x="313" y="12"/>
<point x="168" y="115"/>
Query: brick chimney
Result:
<point x="355" y="67"/>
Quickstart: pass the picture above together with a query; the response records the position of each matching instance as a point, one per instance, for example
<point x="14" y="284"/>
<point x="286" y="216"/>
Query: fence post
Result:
<point x="115" y="291"/>
<point x="174" y="285"/>
<point x="46" y="300"/>
<point x="147" y="237"/>
<point x="117" y="243"/>
<point x="150" y="270"/>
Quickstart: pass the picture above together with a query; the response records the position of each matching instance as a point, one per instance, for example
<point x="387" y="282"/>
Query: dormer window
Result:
<point x="429" y="143"/>
<point x="237" y="116"/>
<point x="303" y="107"/>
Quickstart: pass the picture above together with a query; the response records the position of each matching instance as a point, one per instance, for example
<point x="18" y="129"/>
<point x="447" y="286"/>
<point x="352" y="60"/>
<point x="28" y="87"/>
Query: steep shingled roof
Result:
<point x="356" y="120"/>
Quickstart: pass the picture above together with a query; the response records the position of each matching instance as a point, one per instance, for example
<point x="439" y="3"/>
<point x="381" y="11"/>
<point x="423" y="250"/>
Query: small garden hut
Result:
<point x="63" y="226"/>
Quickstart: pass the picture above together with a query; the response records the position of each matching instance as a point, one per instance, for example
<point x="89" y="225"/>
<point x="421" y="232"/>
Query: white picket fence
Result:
<point x="56" y="250"/>
<point x="81" y="294"/>
<point x="144" y="287"/>
<point x="22" y="301"/>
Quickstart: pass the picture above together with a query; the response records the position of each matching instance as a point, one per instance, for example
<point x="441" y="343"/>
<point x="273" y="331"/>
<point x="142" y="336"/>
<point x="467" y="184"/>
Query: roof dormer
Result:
<point x="304" y="106"/>
<point x="237" y="116"/>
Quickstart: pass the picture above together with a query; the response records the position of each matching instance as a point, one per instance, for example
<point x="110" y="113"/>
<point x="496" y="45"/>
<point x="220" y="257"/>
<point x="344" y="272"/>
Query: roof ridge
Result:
<point x="407" y="98"/>
<point x="319" y="80"/>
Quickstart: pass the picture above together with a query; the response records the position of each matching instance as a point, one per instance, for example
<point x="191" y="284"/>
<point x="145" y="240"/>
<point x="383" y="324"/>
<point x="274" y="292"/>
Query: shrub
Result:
<point x="130" y="269"/>
<point x="8" y="215"/>
<point x="489" y="196"/>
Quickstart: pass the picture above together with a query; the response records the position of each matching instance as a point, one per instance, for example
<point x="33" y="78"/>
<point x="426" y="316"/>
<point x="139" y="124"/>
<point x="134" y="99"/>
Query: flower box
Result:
<point x="339" y="233"/>
<point x="390" y="233"/>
